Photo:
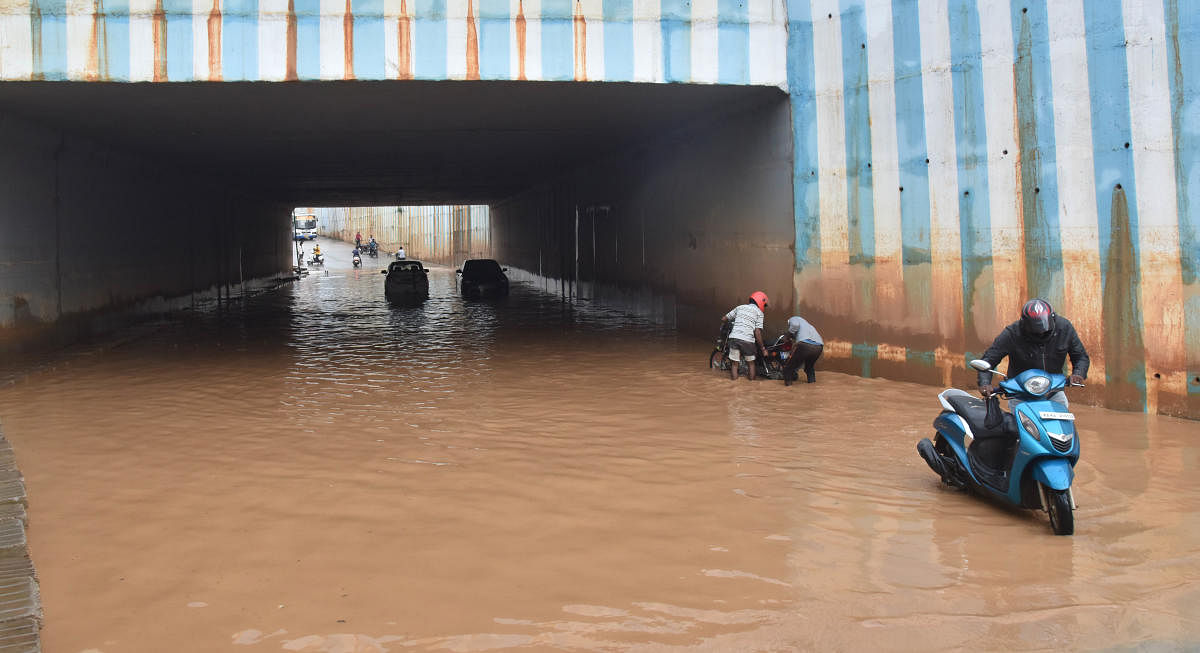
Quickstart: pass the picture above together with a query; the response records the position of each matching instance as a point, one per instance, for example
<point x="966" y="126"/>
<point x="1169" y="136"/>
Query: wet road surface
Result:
<point x="318" y="471"/>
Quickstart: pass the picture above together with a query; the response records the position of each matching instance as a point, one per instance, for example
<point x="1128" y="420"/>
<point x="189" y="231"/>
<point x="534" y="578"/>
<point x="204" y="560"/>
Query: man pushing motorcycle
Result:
<point x="1040" y="339"/>
<point x="747" y="333"/>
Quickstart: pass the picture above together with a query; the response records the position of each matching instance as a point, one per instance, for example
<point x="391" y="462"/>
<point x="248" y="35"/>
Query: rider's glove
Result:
<point x="985" y="390"/>
<point x="1076" y="379"/>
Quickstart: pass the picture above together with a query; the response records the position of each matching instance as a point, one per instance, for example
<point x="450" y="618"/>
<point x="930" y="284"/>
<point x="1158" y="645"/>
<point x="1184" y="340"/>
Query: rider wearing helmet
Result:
<point x="1039" y="339"/>
<point x="746" y="333"/>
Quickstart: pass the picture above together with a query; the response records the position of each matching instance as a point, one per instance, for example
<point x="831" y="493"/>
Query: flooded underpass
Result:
<point x="315" y="470"/>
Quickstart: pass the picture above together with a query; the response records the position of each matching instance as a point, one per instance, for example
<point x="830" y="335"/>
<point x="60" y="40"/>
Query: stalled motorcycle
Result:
<point x="1024" y="458"/>
<point x="769" y="367"/>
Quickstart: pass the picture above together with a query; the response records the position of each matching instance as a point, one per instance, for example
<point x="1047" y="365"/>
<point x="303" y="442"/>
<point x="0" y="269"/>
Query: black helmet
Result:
<point x="1037" y="320"/>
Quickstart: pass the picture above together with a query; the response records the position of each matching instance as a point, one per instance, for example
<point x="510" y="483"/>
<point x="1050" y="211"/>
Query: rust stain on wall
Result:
<point x="520" y="25"/>
<point x="91" y="71"/>
<point x="472" y="43"/>
<point x="290" y="70"/>
<point x="159" y="22"/>
<point x="348" y="42"/>
<point x="1123" y="345"/>
<point x="404" y="42"/>
<point x="35" y="36"/>
<point x="214" y="42"/>
<point x="580" y="43"/>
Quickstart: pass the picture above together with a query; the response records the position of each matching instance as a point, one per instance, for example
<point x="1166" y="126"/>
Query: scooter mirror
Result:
<point x="981" y="365"/>
<point x="383" y="272"/>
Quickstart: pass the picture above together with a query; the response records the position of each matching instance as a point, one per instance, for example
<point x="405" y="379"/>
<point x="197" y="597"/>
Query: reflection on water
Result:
<point x="317" y="471"/>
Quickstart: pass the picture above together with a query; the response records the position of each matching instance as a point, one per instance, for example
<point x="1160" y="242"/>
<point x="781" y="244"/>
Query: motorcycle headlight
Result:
<point x="1037" y="385"/>
<point x="1030" y="427"/>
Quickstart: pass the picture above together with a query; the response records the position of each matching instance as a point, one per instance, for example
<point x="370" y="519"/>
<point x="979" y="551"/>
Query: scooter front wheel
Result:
<point x="1062" y="518"/>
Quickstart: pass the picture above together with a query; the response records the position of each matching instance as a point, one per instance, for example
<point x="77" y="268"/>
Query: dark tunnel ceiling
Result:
<point x="356" y="143"/>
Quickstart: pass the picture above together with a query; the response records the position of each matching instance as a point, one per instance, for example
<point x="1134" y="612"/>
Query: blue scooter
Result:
<point x="981" y="448"/>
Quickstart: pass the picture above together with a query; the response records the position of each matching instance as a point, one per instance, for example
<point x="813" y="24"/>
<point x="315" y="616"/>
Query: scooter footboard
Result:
<point x="1054" y="473"/>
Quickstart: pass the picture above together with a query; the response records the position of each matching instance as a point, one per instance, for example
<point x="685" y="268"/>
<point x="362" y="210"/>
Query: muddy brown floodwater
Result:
<point x="317" y="471"/>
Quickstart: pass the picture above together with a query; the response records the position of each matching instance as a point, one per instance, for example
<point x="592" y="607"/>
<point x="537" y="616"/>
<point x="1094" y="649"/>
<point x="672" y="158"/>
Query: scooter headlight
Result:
<point x="1030" y="427"/>
<point x="1037" y="385"/>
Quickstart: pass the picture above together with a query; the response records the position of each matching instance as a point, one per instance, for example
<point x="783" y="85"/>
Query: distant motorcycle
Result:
<point x="357" y="261"/>
<point x="317" y="260"/>
<point x="373" y="250"/>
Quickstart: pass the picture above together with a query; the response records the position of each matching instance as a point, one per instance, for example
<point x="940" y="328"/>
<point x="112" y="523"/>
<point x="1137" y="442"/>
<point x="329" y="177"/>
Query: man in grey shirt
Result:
<point x="807" y="346"/>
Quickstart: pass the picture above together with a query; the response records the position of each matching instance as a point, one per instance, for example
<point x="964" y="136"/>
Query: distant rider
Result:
<point x="807" y="346"/>
<point x="400" y="253"/>
<point x="372" y="245"/>
<point x="316" y="252"/>
<point x="1039" y="340"/>
<point x="357" y="239"/>
<point x="746" y="333"/>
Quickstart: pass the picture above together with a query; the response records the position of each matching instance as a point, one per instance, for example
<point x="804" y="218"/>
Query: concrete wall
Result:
<point x="954" y="157"/>
<point x="552" y="40"/>
<point x="88" y="228"/>
<point x="433" y="234"/>
<point x="679" y="230"/>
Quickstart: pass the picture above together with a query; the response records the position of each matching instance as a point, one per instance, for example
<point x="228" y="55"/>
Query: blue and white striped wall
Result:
<point x="954" y="157"/>
<point x="696" y="41"/>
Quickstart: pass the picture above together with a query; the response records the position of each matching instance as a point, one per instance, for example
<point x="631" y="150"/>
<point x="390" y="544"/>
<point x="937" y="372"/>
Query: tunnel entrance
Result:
<point x="669" y="199"/>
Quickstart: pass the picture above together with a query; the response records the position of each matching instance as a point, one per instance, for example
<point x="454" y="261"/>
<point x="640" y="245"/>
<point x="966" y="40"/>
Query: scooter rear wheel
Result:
<point x="1062" y="518"/>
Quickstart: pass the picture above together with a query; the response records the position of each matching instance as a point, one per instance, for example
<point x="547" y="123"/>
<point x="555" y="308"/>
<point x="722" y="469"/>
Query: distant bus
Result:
<point x="306" y="227"/>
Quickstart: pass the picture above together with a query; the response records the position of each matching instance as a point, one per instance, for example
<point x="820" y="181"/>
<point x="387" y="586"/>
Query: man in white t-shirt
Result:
<point x="746" y="333"/>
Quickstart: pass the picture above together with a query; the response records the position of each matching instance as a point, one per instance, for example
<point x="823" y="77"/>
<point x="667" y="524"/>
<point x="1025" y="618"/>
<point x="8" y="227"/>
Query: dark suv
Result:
<point x="406" y="281"/>
<point x="483" y="277"/>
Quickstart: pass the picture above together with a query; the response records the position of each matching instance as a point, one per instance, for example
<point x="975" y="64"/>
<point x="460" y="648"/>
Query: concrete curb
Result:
<point x="20" y="600"/>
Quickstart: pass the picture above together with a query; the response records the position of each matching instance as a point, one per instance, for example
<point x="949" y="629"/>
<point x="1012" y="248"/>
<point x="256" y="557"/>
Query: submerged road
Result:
<point x="314" y="470"/>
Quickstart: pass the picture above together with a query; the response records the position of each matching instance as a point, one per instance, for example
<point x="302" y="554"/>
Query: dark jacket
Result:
<point x="1024" y="354"/>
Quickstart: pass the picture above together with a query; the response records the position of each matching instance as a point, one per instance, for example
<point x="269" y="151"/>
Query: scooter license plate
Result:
<point x="1050" y="414"/>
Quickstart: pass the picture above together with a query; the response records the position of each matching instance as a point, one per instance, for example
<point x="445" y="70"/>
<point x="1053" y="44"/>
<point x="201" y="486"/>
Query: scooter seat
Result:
<point x="974" y="411"/>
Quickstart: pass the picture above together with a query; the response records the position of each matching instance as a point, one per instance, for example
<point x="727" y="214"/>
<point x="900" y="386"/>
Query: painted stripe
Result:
<point x="618" y="40"/>
<point x="676" y="40"/>
<point x="885" y="161"/>
<point x="648" y="42"/>
<point x="860" y="212"/>
<point x="50" y="51"/>
<point x="945" y="246"/>
<point x="308" y="39"/>
<point x="429" y="39"/>
<point x="113" y="48"/>
<point x="1039" y="180"/>
<point x="831" y="134"/>
<point x="770" y="42"/>
<point x="733" y="41"/>
<point x="80" y="20"/>
<point x="914" y="169"/>
<point x="1076" y="171"/>
<point x="391" y="38"/>
<point x="1116" y="194"/>
<point x="272" y="39"/>
<point x="200" y="9"/>
<point x="333" y="39"/>
<point x="141" y="40"/>
<point x="801" y="87"/>
<point x="239" y="40"/>
<point x="533" y="47"/>
<point x="970" y="137"/>
<point x="1183" y="64"/>
<point x="1000" y="118"/>
<point x="369" y="48"/>
<point x="456" y="38"/>
<point x="1157" y="208"/>
<point x="494" y="38"/>
<point x="594" y="27"/>
<point x="179" y="40"/>
<point x="558" y="40"/>
<point x="16" y="41"/>
<point x="705" y="42"/>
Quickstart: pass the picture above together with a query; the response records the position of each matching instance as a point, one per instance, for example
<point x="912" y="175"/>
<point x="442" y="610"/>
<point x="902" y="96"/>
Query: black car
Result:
<point x="483" y="277"/>
<point x="406" y="281"/>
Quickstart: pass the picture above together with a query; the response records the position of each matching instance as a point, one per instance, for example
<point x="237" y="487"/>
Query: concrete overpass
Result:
<point x="902" y="173"/>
